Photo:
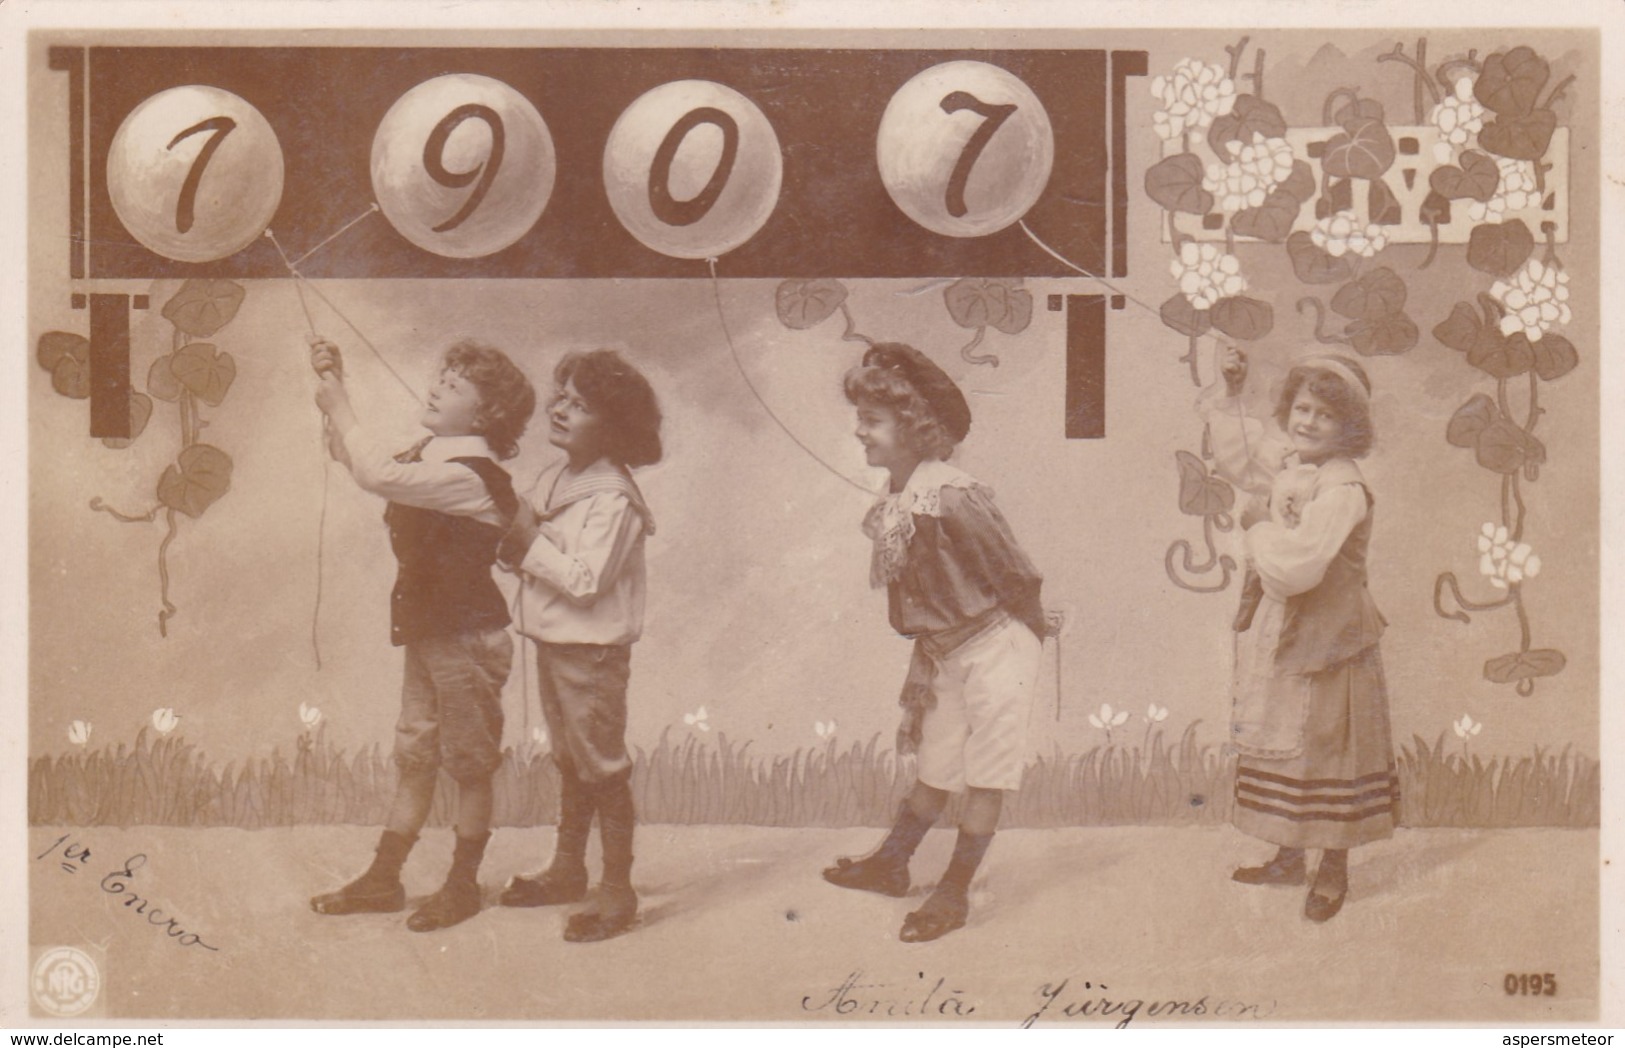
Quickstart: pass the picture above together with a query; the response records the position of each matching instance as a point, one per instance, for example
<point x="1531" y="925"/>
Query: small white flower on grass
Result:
<point x="1466" y="728"/>
<point x="79" y="732"/>
<point x="309" y="716"/>
<point x="1156" y="714"/>
<point x="697" y="720"/>
<point x="825" y="729"/>
<point x="1106" y="718"/>
<point x="164" y="720"/>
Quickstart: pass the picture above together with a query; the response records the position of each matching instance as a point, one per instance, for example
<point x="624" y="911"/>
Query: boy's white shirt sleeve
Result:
<point x="444" y="486"/>
<point x="608" y="531"/>
<point x="1291" y="560"/>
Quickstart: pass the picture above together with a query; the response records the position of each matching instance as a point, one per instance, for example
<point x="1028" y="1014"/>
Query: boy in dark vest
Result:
<point x="449" y="504"/>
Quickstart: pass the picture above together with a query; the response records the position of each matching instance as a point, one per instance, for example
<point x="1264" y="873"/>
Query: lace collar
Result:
<point x="890" y="521"/>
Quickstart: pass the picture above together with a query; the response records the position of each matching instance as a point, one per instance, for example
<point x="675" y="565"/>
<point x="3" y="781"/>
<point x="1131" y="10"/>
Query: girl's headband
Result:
<point x="1357" y="385"/>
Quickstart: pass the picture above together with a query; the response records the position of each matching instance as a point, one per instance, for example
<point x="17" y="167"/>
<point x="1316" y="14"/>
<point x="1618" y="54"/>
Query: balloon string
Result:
<point x="364" y="340"/>
<point x="341" y="231"/>
<point x="1092" y="276"/>
<point x="722" y="318"/>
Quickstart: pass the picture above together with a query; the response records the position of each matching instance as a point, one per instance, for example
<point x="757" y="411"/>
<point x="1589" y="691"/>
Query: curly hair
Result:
<point x="507" y="399"/>
<point x="917" y="425"/>
<point x="1352" y="411"/>
<point x="623" y="400"/>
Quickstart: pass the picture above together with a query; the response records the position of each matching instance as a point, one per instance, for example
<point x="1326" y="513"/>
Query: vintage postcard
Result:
<point x="1085" y="515"/>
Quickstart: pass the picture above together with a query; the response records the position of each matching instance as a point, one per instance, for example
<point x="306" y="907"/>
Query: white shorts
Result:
<point x="976" y="734"/>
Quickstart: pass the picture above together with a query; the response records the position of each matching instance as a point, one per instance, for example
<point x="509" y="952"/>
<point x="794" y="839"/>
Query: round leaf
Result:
<point x="202" y="307"/>
<point x="207" y="373"/>
<point x="1504" y="448"/>
<point x="1499" y="248"/>
<point x="1511" y="83"/>
<point x="1460" y="330"/>
<point x="804" y="303"/>
<point x="200" y="476"/>
<point x="1555" y="356"/>
<point x="1520" y="137"/>
<point x="1385" y="336"/>
<point x="1018" y="312"/>
<point x="1524" y="665"/>
<point x="54" y="345"/>
<point x="71" y="377"/>
<point x="1477" y="178"/>
<point x="1179" y="314"/>
<point x="1339" y="196"/>
<point x="1312" y="264"/>
<point x="1270" y="221"/>
<point x="140" y="413"/>
<point x="1176" y="184"/>
<point x="161" y="380"/>
<point x="1499" y="356"/>
<point x="1300" y="184"/>
<point x="1375" y="295"/>
<point x="1360" y="111"/>
<point x="1249" y="116"/>
<point x="1242" y="318"/>
<point x="1365" y="150"/>
<point x="1471" y="419"/>
<point x="1201" y="494"/>
<point x="1435" y="209"/>
<point x="975" y="302"/>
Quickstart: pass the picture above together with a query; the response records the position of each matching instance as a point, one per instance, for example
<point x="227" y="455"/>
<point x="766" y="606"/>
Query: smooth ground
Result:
<point x="738" y="925"/>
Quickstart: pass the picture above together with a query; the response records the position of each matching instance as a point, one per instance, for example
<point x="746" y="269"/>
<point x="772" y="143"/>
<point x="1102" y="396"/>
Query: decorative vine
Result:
<point x="1487" y="130"/>
<point x="191" y="374"/>
<point x="974" y="303"/>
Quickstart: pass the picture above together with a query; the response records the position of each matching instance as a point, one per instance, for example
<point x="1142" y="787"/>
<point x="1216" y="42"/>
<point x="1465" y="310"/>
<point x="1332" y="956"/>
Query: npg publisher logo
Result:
<point x="66" y="981"/>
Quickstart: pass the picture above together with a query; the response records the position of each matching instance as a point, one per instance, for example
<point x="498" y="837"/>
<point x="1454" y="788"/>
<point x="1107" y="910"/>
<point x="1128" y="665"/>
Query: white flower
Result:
<point x="1502" y="560"/>
<point x="538" y="735"/>
<point x="1536" y="299"/>
<point x="1514" y="192"/>
<point x="697" y="720"/>
<point x="1248" y="180"/>
<point x="825" y="730"/>
<point x="1206" y="274"/>
<point x="164" y="720"/>
<point x="1106" y="719"/>
<point x="1340" y="233"/>
<point x="79" y="732"/>
<point x="1156" y="714"/>
<point x="1458" y="118"/>
<point x="1191" y="96"/>
<point x="309" y="716"/>
<point x="1466" y="728"/>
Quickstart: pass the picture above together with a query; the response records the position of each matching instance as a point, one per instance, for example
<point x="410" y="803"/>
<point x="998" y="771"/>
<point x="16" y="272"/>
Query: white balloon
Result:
<point x="965" y="148"/>
<point x="463" y="165"/>
<point x="195" y="173"/>
<point x="693" y="169"/>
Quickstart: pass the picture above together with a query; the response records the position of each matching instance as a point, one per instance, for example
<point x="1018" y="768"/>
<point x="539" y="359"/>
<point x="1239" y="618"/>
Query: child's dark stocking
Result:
<point x="1330" y="887"/>
<point x="459" y="898"/>
<point x="1287" y="868"/>
<point x="614" y="906"/>
<point x="565" y="880"/>
<point x="886" y="871"/>
<point x="378" y="890"/>
<point x="949" y="903"/>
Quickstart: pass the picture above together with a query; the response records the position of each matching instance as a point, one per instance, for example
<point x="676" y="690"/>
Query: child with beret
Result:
<point x="960" y="586"/>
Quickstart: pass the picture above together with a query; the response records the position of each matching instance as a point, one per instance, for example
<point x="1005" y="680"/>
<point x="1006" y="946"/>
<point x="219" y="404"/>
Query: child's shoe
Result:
<point x="612" y="911"/>
<point x="454" y="903"/>
<point x="1287" y="868"/>
<point x="548" y="888"/>
<point x="944" y="910"/>
<point x="877" y="873"/>
<point x="369" y="893"/>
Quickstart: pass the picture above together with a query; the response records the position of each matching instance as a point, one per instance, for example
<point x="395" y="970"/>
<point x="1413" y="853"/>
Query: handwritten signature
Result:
<point x="72" y="856"/>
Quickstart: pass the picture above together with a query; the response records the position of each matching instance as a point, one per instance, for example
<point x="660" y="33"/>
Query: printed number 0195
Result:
<point x="1530" y="984"/>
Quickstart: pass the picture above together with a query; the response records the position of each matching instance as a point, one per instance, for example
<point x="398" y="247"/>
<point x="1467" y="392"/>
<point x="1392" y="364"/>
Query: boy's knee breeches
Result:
<point x="583" y="690"/>
<point x="451" y="704"/>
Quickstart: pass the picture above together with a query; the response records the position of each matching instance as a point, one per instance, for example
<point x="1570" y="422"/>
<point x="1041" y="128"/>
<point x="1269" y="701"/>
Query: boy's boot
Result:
<point x="949" y="903"/>
<point x="886" y="871"/>
<point x="1286" y="868"/>
<point x="459" y="898"/>
<point x="614" y="905"/>
<point x="565" y="879"/>
<point x="379" y="890"/>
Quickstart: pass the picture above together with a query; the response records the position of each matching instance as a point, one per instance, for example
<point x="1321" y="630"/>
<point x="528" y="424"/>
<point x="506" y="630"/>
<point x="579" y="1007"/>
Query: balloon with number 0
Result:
<point x="965" y="148"/>
<point x="195" y="173"/>
<point x="463" y="165"/>
<point x="693" y="169"/>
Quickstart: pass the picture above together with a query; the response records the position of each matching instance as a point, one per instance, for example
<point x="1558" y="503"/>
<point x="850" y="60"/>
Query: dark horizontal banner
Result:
<point x="578" y="162"/>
